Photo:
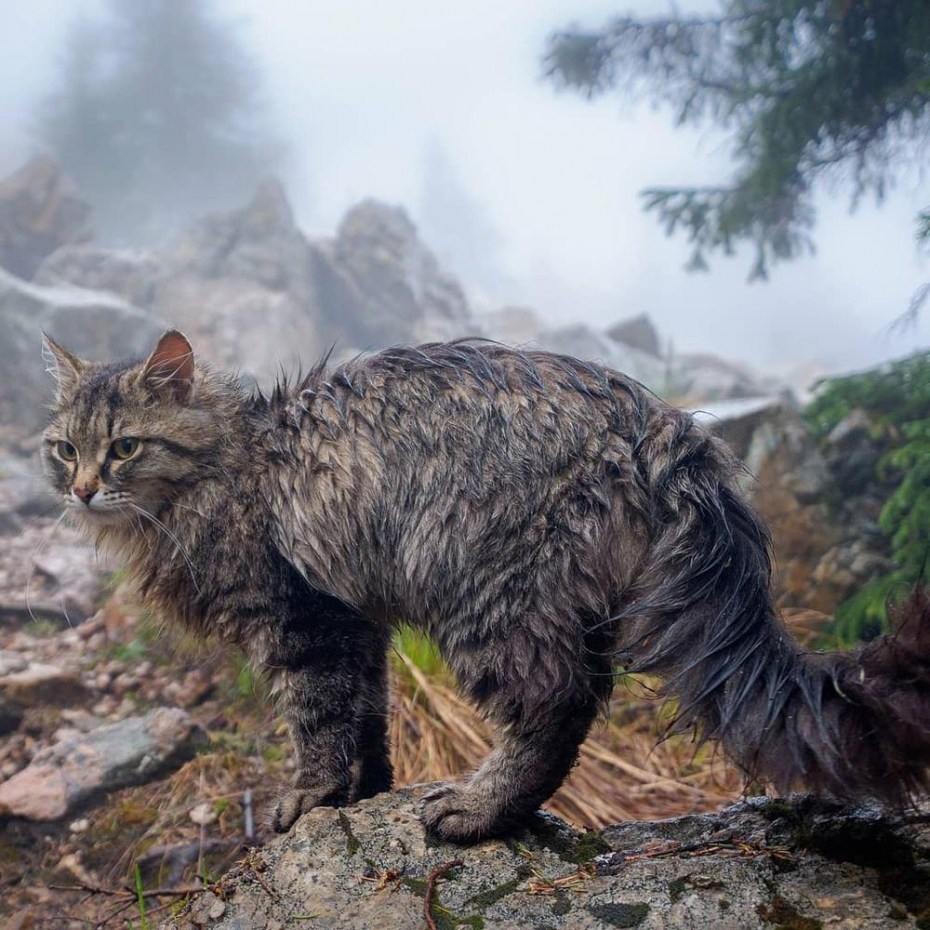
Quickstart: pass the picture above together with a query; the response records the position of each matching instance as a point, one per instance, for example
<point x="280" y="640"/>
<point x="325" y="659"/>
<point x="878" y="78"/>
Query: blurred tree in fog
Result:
<point x="157" y="116"/>
<point x="807" y="88"/>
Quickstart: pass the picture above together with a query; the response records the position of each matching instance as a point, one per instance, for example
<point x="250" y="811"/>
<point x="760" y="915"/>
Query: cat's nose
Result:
<point x="85" y="493"/>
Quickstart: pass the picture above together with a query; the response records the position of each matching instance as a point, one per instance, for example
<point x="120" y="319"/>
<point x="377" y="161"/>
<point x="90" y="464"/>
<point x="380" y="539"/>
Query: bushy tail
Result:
<point x="701" y="615"/>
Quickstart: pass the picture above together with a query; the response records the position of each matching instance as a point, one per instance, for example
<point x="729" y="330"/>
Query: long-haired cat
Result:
<point x="543" y="519"/>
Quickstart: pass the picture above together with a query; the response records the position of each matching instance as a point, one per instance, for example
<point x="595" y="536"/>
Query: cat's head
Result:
<point x="126" y="438"/>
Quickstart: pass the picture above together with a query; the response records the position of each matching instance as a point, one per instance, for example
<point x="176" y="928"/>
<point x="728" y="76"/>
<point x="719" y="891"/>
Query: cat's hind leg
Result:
<point x="543" y="701"/>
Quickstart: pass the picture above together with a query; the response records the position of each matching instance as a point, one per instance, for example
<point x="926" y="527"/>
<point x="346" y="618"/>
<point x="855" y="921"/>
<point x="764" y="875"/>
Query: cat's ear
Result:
<point x="64" y="367"/>
<point x="170" y="368"/>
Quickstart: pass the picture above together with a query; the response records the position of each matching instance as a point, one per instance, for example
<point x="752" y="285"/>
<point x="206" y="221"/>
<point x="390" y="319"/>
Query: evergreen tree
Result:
<point x="807" y="89"/>
<point x="157" y="116"/>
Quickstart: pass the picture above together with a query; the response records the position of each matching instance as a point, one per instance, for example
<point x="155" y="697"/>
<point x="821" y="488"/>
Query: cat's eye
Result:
<point x="66" y="451"/>
<point x="124" y="448"/>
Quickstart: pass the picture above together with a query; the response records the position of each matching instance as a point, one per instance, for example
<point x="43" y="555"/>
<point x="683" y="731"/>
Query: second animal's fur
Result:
<point x="541" y="518"/>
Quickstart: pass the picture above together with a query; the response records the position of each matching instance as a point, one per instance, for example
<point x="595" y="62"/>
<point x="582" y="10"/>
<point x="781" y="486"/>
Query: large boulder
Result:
<point x="702" y="377"/>
<point x="257" y="293"/>
<point x="758" y="865"/>
<point x="512" y="325"/>
<point x="39" y="212"/>
<point x="239" y="284"/>
<point x="405" y="296"/>
<point x="133" y="274"/>
<point x="639" y="332"/>
<point x="93" y="324"/>
<point x="253" y="292"/>
<point x="586" y="343"/>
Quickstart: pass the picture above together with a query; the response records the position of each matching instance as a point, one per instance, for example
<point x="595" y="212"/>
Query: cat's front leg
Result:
<point x="320" y="706"/>
<point x="318" y="652"/>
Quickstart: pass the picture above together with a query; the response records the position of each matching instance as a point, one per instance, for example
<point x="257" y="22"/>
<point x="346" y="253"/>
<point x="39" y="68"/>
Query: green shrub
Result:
<point x="896" y="398"/>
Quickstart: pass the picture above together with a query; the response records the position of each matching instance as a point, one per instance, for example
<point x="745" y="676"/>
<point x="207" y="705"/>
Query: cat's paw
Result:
<point x="299" y="801"/>
<point x="460" y="814"/>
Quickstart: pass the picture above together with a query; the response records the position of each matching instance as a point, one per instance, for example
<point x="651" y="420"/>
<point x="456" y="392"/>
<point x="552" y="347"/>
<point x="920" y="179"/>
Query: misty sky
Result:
<point x="530" y="195"/>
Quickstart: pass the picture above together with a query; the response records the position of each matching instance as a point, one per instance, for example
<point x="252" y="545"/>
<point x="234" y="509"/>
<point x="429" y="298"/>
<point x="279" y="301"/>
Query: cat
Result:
<point x="544" y="520"/>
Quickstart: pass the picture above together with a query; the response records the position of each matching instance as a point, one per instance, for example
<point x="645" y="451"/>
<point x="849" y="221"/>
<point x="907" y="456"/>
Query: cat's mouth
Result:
<point x="97" y="513"/>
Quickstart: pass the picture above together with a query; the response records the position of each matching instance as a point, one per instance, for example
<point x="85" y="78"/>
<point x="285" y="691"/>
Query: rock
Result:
<point x="24" y="491"/>
<point x="204" y="814"/>
<point x="70" y="773"/>
<point x="586" y="343"/>
<point x="763" y="430"/>
<point x="756" y="865"/>
<point x="240" y="285"/>
<point x="236" y="281"/>
<point x="853" y="450"/>
<point x="405" y="296"/>
<point x="48" y="571"/>
<point x="132" y="274"/>
<point x="258" y="243"/>
<point x="698" y="378"/>
<point x="39" y="211"/>
<point x="92" y="324"/>
<point x="638" y="332"/>
<point x="41" y="683"/>
<point x="10" y="716"/>
<point x="241" y="325"/>
<point x="514" y="326"/>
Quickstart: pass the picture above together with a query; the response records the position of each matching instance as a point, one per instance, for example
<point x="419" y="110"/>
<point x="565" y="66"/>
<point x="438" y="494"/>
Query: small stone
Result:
<point x="64" y="733"/>
<point x="124" y="682"/>
<point x="11" y="662"/>
<point x="196" y="686"/>
<point x="79" y="826"/>
<point x="92" y="625"/>
<point x="97" y="642"/>
<point x="202" y="910"/>
<point x="204" y="814"/>
<point x="104" y="707"/>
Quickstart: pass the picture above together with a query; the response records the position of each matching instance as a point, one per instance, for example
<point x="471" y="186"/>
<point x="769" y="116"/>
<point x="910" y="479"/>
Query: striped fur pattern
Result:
<point x="541" y="518"/>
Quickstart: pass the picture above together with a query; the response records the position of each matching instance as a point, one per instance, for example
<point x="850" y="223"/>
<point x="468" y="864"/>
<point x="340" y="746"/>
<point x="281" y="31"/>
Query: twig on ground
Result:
<point x="431" y="880"/>
<point x="541" y="885"/>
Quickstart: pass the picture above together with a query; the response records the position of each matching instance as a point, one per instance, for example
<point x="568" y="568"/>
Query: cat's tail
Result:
<point x="701" y="615"/>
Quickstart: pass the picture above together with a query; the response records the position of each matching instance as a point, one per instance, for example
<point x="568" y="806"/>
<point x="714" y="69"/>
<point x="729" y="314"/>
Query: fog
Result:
<point x="529" y="195"/>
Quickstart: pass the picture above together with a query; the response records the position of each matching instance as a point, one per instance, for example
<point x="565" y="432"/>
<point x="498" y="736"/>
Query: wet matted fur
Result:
<point x="543" y="519"/>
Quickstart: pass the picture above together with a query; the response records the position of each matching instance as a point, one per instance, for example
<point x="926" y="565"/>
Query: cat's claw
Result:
<point x="300" y="801"/>
<point x="460" y="814"/>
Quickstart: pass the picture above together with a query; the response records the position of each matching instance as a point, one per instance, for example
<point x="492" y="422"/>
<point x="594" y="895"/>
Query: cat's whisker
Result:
<point x="39" y="549"/>
<point x="177" y="542"/>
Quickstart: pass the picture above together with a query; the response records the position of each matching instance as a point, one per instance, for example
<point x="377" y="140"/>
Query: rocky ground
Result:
<point x="760" y="865"/>
<point x="123" y="755"/>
